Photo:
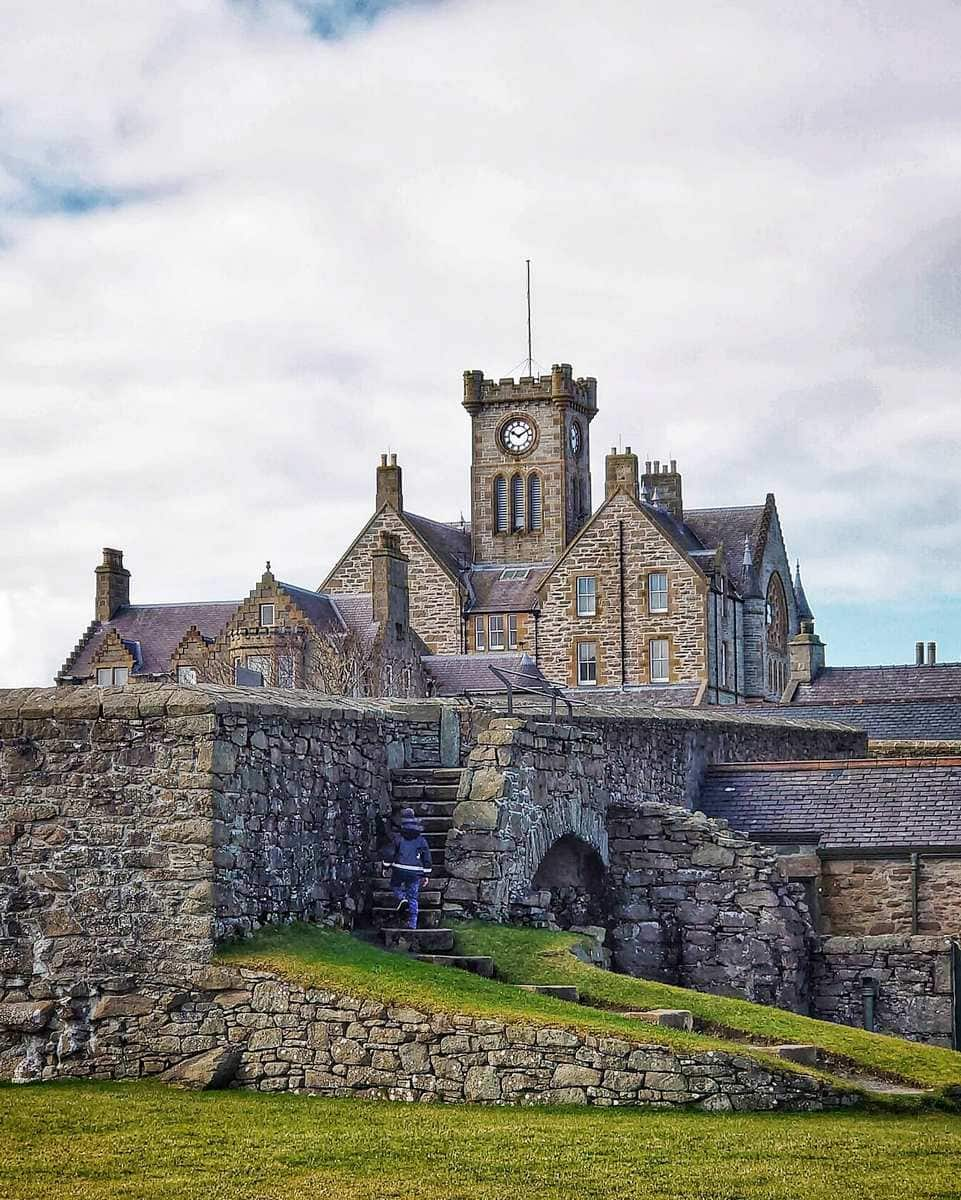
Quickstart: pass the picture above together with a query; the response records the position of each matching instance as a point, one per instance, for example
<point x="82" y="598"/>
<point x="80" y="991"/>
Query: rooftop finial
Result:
<point x="803" y="608"/>
<point x="268" y="565"/>
<point x="747" y="561"/>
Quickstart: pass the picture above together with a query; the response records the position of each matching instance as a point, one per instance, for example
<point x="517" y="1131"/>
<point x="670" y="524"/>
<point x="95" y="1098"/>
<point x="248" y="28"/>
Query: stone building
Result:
<point x="684" y="606"/>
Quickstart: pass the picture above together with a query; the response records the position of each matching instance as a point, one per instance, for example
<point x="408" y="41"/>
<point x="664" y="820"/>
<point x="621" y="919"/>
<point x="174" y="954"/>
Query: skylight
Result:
<point x="515" y="573"/>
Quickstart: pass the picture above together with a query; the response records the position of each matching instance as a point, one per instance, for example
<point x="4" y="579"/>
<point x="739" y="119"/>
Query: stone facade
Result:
<point x="910" y="982"/>
<point x="862" y="895"/>
<point x="435" y="596"/>
<point x="619" y="550"/>
<point x="249" y="1029"/>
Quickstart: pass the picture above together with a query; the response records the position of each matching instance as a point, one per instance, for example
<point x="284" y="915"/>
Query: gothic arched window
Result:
<point x="534" y="511"/>
<point x="517" y="504"/>
<point x="776" y="610"/>
<point x="500" y="504"/>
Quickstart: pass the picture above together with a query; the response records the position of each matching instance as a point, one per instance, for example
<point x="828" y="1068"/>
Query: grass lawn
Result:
<point x="144" y="1141"/>
<point x="336" y="961"/>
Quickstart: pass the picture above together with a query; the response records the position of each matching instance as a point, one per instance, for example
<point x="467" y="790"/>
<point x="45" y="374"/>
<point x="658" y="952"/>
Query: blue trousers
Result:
<point x="407" y="888"/>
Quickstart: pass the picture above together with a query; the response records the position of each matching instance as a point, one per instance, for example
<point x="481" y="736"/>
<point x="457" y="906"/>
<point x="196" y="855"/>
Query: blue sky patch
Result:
<point x="336" y="18"/>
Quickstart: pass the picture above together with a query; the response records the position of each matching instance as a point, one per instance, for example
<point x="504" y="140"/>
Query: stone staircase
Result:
<point x="432" y="793"/>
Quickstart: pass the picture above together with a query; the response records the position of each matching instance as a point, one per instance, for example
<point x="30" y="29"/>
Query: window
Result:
<point x="724" y="665"/>
<point x="398" y="631"/>
<point x="660" y="660"/>
<point x="534" y="510"/>
<point x="268" y="615"/>
<point x="657" y="592"/>
<point x="776" y="612"/>
<point x="261" y="664"/>
<point x="285" y="671"/>
<point x="186" y="674"/>
<point x="496" y="632"/>
<point x="112" y="676"/>
<point x="408" y="680"/>
<point x="512" y="631"/>
<point x="500" y="504"/>
<point x="586" y="664"/>
<point x="510" y="574"/>
<point x="480" y="633"/>
<point x="517" y="504"/>
<point x="586" y="596"/>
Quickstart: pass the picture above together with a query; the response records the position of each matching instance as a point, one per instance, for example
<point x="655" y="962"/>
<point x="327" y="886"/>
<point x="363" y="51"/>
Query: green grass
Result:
<point x="335" y="961"/>
<point x="140" y="1141"/>
<point x="539" y="956"/>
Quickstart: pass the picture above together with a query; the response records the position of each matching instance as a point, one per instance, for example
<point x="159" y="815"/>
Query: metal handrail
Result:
<point x="540" y="689"/>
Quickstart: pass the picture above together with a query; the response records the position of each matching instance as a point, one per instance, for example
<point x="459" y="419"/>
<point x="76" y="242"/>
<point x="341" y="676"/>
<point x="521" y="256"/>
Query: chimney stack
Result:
<point x="664" y="481"/>
<point x="390" y="484"/>
<point x="932" y="653"/>
<point x="390" y="593"/>
<point x="113" y="585"/>
<point x="622" y="473"/>
<point x="919" y="654"/>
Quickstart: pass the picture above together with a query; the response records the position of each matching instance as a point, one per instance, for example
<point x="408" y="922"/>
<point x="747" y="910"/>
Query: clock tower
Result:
<point x="530" y="463"/>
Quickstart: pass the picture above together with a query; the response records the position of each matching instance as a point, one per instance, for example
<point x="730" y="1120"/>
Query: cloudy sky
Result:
<point x="245" y="245"/>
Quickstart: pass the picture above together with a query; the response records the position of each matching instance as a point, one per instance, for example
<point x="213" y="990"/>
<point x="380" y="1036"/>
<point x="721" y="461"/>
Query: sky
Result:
<point x="248" y="245"/>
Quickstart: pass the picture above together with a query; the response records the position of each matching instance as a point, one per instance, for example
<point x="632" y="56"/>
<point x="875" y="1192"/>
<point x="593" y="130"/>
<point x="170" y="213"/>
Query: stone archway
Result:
<point x="571" y="882"/>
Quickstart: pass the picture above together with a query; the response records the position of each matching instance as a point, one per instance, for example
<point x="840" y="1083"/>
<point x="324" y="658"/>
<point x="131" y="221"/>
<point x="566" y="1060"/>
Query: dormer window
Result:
<point x="268" y="616"/>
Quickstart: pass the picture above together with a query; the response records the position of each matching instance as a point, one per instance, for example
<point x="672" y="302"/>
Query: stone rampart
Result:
<point x="248" y="1029"/>
<point x="139" y="825"/>
<point x="908" y="979"/>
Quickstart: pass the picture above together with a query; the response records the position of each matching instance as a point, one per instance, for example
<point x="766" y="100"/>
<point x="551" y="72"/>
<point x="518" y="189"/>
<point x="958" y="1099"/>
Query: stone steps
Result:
<point x="420" y="941"/>
<point x="670" y="1018"/>
<point x="558" y="991"/>
<point x="475" y="963"/>
<point x="428" y="918"/>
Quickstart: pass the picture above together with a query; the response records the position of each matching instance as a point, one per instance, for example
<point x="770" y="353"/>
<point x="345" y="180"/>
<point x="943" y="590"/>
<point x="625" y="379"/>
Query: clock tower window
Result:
<point x="500" y="504"/>
<point x="534" y="513"/>
<point x="517" y="504"/>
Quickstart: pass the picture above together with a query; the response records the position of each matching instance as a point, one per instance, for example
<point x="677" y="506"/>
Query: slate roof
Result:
<point x="158" y="628"/>
<point x="904" y="682"/>
<point x="712" y="526"/>
<point x="450" y="544"/>
<point x="491" y="593"/>
<point x="455" y="674"/>
<point x="356" y="610"/>
<point x="866" y="804"/>
<point x="918" y="720"/>
<point x="675" y="695"/>
<point x="316" y="607"/>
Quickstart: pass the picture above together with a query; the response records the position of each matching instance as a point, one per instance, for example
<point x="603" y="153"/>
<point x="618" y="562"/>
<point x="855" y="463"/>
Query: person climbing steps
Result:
<point x="410" y="863"/>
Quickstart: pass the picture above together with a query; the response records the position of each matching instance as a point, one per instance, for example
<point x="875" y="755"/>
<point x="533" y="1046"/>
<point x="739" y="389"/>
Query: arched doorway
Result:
<point x="574" y="874"/>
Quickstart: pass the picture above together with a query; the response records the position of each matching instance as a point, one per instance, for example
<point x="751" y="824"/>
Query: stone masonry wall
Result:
<point x="873" y="896"/>
<point x="597" y="554"/>
<point x="435" y="607"/>
<point x="139" y="824"/>
<point x="252" y="1030"/>
<point x="688" y="900"/>
<point x="914" y="985"/>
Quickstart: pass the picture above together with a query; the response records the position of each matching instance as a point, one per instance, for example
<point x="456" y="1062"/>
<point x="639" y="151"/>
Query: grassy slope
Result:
<point x="539" y="956"/>
<point x="335" y="961"/>
<point x="146" y="1142"/>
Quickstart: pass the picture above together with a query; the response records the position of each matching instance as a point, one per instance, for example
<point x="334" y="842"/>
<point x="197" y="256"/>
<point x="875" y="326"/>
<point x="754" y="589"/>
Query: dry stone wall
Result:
<point x="914" y="985"/>
<point x="139" y="825"/>
<point x="248" y="1029"/>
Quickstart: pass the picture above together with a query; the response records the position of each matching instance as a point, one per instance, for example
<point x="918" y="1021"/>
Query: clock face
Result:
<point x="517" y="436"/>
<point x="575" y="438"/>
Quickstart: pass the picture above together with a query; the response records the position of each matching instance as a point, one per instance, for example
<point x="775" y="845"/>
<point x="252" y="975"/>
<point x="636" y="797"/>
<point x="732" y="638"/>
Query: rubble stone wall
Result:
<point x="914" y="986"/>
<point x="139" y="825"/>
<point x="873" y="896"/>
<point x="248" y="1029"/>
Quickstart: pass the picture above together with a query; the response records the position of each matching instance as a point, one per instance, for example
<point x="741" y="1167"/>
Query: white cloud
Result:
<point x="743" y="220"/>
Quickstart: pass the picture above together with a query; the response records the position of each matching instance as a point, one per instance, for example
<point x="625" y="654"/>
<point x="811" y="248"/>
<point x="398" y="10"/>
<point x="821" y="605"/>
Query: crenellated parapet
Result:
<point x="560" y="386"/>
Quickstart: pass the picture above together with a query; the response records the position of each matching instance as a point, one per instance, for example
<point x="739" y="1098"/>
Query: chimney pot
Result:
<point x="932" y="653"/>
<point x="919" y="654"/>
<point x="673" y="466"/>
<point x="657" y="466"/>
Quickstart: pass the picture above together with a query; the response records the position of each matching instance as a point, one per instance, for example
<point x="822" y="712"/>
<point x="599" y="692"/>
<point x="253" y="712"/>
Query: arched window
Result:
<point x="776" y="610"/>
<point x="534" y="515"/>
<point x="500" y="504"/>
<point x="517" y="504"/>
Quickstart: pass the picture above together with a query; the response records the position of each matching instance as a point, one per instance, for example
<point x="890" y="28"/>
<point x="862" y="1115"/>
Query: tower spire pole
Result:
<point x="530" y="355"/>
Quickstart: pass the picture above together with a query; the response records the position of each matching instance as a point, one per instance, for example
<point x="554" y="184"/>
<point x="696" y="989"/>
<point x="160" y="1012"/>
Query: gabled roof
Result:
<point x="862" y="803"/>
<point x="316" y="607"/>
<point x="455" y="674"/>
<point x="450" y="544"/>
<point x="887" y="720"/>
<point x="158" y="628"/>
<point x="490" y="592"/>
<point x="356" y="610"/>
<point x="730" y="526"/>
<point x="902" y="682"/>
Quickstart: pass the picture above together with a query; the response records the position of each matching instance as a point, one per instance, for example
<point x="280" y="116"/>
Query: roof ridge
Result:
<point x="831" y="764"/>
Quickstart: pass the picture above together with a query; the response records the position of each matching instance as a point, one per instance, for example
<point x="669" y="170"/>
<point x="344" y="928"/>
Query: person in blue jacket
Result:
<point x="410" y="864"/>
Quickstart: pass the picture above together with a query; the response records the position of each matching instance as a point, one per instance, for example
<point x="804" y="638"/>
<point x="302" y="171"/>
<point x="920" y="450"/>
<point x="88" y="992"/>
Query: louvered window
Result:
<point x="500" y="504"/>
<point x="517" y="504"/>
<point x="534" y="502"/>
